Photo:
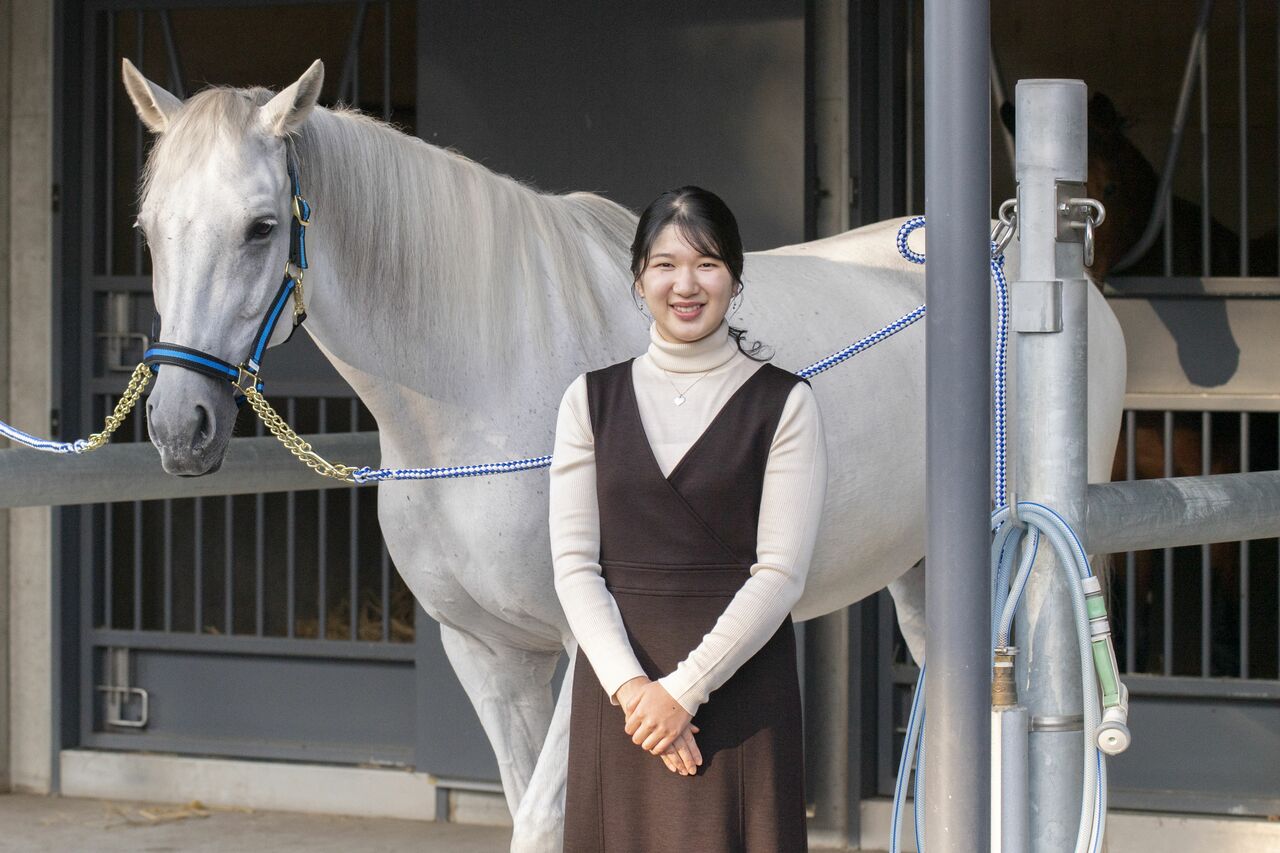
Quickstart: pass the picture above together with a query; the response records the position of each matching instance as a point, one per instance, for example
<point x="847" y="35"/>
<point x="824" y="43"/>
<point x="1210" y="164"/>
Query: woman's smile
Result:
<point x="687" y="310"/>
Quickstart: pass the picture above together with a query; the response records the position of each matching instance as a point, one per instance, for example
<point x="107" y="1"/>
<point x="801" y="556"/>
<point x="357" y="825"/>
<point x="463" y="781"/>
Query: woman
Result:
<point x="687" y="486"/>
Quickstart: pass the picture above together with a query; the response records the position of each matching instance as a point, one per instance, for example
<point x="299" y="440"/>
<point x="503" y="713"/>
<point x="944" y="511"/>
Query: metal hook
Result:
<point x="1007" y="228"/>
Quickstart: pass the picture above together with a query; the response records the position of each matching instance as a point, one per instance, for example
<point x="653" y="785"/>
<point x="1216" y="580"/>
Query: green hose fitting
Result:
<point x="1113" y="734"/>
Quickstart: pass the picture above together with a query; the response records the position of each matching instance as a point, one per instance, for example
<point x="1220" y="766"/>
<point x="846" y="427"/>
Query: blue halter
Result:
<point x="246" y="373"/>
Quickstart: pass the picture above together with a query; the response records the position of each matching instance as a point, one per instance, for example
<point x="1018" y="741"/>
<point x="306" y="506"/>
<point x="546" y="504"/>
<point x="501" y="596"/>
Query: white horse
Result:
<point x="459" y="304"/>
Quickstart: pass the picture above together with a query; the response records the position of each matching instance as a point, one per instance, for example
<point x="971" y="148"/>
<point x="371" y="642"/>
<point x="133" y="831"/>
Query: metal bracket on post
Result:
<point x="1037" y="306"/>
<point x="119" y="691"/>
<point x="1073" y="227"/>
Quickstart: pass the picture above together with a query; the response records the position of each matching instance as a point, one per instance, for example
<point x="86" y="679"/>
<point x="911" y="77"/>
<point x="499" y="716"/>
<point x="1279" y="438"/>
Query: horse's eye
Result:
<point x="262" y="228"/>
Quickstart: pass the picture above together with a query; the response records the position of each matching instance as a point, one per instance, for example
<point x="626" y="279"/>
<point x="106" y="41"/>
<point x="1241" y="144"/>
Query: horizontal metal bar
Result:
<point x="126" y="472"/>
<point x="251" y="645"/>
<point x="1200" y="402"/>
<point x="314" y="752"/>
<point x="1174" y="687"/>
<point x="1170" y="513"/>
<point x="1192" y="287"/>
<point x="1193" y="802"/>
<point x="278" y="387"/>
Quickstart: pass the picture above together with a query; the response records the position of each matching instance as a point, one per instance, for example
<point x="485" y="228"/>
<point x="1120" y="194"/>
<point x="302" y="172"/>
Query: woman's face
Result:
<point x="687" y="293"/>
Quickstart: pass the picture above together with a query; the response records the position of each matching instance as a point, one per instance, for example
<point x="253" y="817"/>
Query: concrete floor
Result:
<point x="33" y="823"/>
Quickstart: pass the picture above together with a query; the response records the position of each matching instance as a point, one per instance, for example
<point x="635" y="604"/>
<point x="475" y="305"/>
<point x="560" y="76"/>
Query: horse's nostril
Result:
<point x="204" y="426"/>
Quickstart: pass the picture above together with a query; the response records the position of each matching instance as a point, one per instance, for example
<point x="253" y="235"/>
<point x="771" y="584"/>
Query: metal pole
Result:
<point x="828" y="724"/>
<point x="132" y="472"/>
<point x="1049" y="443"/>
<point x="1181" y="511"/>
<point x="958" y="423"/>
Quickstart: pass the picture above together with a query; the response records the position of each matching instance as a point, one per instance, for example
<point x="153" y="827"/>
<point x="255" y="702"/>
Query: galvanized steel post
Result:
<point x="958" y="423"/>
<point x="1049" y="438"/>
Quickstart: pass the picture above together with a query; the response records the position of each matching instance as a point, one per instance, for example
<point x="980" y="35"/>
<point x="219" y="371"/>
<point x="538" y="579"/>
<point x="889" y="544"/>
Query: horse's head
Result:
<point x="1122" y="179"/>
<point x="216" y="209"/>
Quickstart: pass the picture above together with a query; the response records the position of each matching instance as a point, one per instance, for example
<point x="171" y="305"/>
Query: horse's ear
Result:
<point x="1008" y="115"/>
<point x="155" y="106"/>
<point x="1103" y="113"/>
<point x="288" y="110"/>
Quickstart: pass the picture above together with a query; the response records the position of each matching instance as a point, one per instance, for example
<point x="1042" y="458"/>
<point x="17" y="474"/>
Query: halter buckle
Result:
<point x="301" y="210"/>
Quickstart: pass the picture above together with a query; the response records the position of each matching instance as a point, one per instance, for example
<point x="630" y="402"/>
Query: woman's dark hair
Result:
<point x="707" y="224"/>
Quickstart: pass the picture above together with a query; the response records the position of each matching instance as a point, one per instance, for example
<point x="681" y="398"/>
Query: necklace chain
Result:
<point x="679" y="398"/>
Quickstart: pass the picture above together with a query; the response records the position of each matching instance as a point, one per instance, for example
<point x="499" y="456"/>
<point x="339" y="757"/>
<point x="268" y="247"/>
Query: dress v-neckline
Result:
<point x="697" y="442"/>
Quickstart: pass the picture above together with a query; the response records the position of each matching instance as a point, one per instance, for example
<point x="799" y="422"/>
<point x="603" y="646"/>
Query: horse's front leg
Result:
<point x="510" y="688"/>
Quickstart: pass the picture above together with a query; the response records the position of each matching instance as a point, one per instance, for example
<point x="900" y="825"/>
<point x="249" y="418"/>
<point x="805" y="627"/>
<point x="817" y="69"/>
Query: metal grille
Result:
<point x="288" y="564"/>
<point x="1208" y="611"/>
<point x="193" y="602"/>
<point x="294" y="565"/>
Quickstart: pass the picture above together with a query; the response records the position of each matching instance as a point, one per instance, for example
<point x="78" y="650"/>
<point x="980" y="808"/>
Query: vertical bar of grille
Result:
<point x="1168" y="234"/>
<point x="1206" y="569"/>
<point x="259" y="559"/>
<point x="386" y="594"/>
<point x="1130" y="559"/>
<point x="176" y="85"/>
<point x="353" y="552"/>
<point x="1168" y="554"/>
<point x="259" y="549"/>
<point x="1204" y="157"/>
<point x="197" y="565"/>
<point x="909" y="94"/>
<point x="357" y="37"/>
<point x="168" y="565"/>
<point x="1244" y="141"/>
<point x="108" y="557"/>
<point x="140" y="22"/>
<point x="386" y="60"/>
<point x="109" y="160"/>
<point x="322" y="524"/>
<point x="1244" y="557"/>
<point x="137" y="545"/>
<point x="290" y="540"/>
<point x="229" y="524"/>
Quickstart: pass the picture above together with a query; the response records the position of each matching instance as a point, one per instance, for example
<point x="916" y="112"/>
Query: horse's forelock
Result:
<point x="218" y="113"/>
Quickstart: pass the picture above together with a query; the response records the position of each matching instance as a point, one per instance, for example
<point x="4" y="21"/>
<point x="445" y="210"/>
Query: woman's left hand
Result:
<point x="654" y="718"/>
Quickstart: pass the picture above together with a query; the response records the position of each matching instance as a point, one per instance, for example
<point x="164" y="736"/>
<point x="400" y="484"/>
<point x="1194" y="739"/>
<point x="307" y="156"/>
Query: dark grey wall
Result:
<point x="626" y="99"/>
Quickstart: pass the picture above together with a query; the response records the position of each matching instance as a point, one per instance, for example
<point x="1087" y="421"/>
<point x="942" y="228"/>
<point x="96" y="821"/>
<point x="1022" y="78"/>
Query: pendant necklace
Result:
<point x="679" y="398"/>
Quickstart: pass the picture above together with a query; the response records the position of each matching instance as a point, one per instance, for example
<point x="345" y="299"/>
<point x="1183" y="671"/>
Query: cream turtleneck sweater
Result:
<point x="790" y="511"/>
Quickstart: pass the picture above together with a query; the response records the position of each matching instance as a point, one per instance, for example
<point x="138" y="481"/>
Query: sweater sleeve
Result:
<point x="575" y="547"/>
<point x="791" y="505"/>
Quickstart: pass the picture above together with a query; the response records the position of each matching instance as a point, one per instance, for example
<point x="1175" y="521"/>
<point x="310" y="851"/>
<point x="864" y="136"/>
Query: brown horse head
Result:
<point x="1120" y="177"/>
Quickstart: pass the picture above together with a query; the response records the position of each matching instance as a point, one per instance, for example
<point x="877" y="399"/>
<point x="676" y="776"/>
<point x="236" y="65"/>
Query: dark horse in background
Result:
<point x="1126" y="182"/>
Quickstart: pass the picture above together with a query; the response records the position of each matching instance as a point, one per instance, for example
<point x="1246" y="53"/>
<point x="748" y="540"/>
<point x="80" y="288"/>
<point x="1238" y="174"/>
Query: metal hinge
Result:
<point x="121" y="696"/>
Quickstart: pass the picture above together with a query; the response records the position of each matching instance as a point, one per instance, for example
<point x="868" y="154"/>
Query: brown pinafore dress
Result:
<point x="674" y="550"/>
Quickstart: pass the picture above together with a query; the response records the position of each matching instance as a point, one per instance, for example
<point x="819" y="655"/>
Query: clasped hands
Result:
<point x="659" y="725"/>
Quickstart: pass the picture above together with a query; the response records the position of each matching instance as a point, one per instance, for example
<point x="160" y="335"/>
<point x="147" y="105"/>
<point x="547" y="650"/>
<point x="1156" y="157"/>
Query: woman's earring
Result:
<point x="735" y="303"/>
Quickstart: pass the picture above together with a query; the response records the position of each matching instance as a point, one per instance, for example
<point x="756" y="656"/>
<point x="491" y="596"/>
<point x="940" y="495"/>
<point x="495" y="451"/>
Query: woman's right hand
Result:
<point x="683" y="755"/>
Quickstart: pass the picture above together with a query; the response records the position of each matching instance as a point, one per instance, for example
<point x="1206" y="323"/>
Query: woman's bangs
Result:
<point x="699" y="236"/>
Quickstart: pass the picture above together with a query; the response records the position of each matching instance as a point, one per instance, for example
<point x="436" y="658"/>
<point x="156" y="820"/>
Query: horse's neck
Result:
<point x="431" y="273"/>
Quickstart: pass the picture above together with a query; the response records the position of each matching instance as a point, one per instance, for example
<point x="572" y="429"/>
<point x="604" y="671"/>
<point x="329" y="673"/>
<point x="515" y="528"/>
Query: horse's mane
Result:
<point x="456" y="251"/>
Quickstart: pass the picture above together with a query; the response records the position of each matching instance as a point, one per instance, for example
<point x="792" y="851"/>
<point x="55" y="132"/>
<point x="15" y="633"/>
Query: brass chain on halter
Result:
<point x="137" y="382"/>
<point x="295" y="443"/>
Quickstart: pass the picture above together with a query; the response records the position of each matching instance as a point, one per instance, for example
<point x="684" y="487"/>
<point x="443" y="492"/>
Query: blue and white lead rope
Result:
<point x="1000" y="427"/>
<point x="368" y="474"/>
<point x="14" y="434"/>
